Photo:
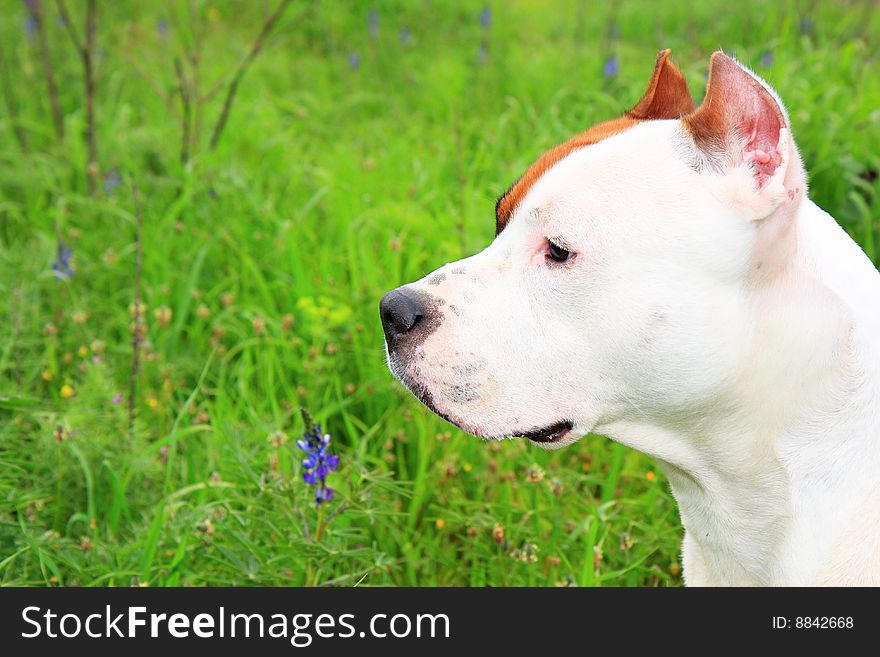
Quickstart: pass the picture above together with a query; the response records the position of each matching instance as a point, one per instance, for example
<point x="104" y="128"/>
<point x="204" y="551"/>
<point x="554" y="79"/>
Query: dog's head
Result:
<point x="618" y="282"/>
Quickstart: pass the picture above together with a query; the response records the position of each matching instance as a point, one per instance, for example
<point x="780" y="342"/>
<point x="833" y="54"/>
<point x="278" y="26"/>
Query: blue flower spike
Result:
<point x="611" y="67"/>
<point x="319" y="462"/>
<point x="62" y="266"/>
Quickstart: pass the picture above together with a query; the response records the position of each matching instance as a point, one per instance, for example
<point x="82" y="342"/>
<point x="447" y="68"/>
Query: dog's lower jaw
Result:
<point x="554" y="435"/>
<point x="424" y="395"/>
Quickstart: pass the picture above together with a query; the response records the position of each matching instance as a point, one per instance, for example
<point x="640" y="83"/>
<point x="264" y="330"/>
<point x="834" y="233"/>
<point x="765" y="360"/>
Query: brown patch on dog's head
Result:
<point x="511" y="199"/>
<point x="667" y="97"/>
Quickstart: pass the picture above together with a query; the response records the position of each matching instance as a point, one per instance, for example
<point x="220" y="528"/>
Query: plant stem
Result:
<point x="320" y="525"/>
<point x="86" y="52"/>
<point x="88" y="57"/>
<point x="36" y="10"/>
<point x="136" y="328"/>
<point x="242" y="69"/>
<point x="11" y="102"/>
<point x="186" y="111"/>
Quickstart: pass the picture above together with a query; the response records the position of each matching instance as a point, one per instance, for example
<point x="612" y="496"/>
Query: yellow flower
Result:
<point x="440" y="523"/>
<point x="66" y="391"/>
<point x="47" y="375"/>
<point x="83" y="351"/>
<point x="650" y="476"/>
<point x="467" y="467"/>
<point x="153" y="403"/>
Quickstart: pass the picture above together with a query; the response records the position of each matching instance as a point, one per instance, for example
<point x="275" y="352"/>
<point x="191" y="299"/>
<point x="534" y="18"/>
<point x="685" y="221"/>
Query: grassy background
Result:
<point x="356" y="158"/>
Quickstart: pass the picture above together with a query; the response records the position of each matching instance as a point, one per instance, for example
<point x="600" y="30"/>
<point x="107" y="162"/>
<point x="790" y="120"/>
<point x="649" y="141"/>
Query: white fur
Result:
<point x="733" y="335"/>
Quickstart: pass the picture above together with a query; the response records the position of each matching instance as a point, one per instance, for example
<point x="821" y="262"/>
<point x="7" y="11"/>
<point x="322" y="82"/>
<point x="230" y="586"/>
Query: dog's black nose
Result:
<point x="400" y="312"/>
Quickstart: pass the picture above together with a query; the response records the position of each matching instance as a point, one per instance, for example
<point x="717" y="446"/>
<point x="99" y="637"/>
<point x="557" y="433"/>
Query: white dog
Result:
<point x="663" y="279"/>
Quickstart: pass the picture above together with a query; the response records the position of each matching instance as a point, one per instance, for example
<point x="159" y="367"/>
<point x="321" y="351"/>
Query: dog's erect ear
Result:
<point x="667" y="95"/>
<point x="741" y="120"/>
<point x="744" y="145"/>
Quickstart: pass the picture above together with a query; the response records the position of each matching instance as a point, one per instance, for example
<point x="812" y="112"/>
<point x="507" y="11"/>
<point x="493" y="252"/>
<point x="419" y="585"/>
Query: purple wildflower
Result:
<point x="486" y="17"/>
<point x="405" y="35"/>
<point x="611" y="67"/>
<point x="323" y="495"/>
<point x="212" y="194"/>
<point x="354" y="60"/>
<point x="162" y="28"/>
<point x="319" y="462"/>
<point x="373" y="22"/>
<point x="112" y="181"/>
<point x="62" y="266"/>
<point x="767" y="58"/>
<point x="806" y="25"/>
<point x="117" y="399"/>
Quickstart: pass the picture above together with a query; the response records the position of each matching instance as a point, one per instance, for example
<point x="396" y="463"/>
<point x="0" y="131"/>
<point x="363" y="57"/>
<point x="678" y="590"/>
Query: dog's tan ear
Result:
<point x="741" y="120"/>
<point x="667" y="95"/>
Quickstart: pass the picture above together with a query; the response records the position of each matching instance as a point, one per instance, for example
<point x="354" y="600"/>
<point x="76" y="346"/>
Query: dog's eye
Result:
<point x="557" y="254"/>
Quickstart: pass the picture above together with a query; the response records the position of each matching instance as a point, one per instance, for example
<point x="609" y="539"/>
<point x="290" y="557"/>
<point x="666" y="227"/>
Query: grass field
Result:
<point x="364" y="148"/>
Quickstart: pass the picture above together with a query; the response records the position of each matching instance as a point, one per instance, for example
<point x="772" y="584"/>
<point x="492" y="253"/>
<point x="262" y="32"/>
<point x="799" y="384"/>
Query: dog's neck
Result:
<point x="768" y="472"/>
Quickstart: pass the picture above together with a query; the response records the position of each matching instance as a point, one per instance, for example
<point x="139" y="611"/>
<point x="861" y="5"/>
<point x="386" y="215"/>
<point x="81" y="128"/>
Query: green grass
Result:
<point x="329" y="187"/>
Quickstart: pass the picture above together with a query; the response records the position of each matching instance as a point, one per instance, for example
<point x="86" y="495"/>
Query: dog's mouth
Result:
<point x="550" y="434"/>
<point x="546" y="435"/>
